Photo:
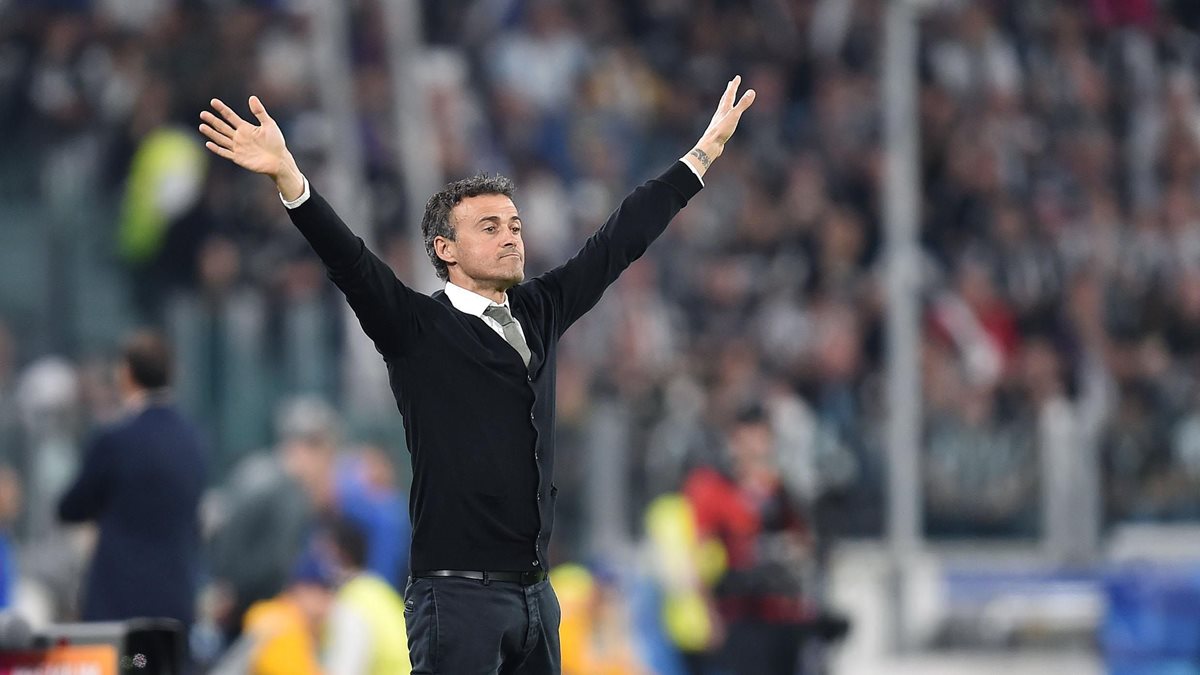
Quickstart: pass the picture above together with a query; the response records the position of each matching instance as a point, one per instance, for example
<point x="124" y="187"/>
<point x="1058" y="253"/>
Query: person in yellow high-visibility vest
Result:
<point x="596" y="631"/>
<point x="281" y="634"/>
<point x="365" y="634"/>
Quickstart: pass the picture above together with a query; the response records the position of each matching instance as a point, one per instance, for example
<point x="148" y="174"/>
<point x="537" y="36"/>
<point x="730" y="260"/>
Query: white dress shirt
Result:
<point x="475" y="304"/>
<point x="298" y="200"/>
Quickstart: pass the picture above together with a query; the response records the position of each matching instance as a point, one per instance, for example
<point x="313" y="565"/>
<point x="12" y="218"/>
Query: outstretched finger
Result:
<point x="730" y="93"/>
<point x="223" y="152"/>
<point x="216" y="136"/>
<point x="745" y="103"/>
<point x="216" y="123"/>
<point x="259" y="110"/>
<point x="230" y="116"/>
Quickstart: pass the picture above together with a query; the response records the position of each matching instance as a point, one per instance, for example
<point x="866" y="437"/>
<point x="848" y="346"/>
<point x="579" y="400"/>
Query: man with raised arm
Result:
<point x="473" y="372"/>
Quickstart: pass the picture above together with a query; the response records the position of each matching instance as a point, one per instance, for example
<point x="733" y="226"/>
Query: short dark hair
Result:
<point x="350" y="542"/>
<point x="436" y="221"/>
<point x="751" y="414"/>
<point x="148" y="357"/>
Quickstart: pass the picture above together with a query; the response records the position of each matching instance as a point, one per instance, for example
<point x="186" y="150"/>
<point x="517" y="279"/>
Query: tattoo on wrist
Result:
<point x="702" y="156"/>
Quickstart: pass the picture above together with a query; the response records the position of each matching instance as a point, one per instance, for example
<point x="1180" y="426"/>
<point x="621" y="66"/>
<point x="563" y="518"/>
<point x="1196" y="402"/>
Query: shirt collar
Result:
<point x="470" y="302"/>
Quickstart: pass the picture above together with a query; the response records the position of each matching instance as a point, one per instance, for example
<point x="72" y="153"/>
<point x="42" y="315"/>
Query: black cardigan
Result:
<point x="480" y="426"/>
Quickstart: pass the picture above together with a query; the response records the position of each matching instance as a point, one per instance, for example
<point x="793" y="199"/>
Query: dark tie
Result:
<point x="512" y="331"/>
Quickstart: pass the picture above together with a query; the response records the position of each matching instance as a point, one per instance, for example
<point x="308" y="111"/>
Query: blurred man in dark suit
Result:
<point x="141" y="482"/>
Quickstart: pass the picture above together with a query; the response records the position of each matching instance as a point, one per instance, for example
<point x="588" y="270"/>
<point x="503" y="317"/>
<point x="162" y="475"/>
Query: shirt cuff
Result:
<point x="689" y="165"/>
<point x="298" y="200"/>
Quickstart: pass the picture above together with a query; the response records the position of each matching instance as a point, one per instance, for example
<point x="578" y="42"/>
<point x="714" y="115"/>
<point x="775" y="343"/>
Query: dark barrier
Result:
<point x="136" y="647"/>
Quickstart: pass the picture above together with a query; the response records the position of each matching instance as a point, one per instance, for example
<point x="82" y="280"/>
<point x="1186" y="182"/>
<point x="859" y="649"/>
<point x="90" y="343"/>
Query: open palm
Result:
<point x="260" y="149"/>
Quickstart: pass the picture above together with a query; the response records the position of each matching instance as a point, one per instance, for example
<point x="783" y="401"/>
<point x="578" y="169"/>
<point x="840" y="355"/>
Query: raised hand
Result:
<point x="720" y="129"/>
<point x="260" y="148"/>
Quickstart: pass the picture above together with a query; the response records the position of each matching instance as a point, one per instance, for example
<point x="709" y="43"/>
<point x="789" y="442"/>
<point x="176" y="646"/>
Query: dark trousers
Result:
<point x="465" y="627"/>
<point x="763" y="648"/>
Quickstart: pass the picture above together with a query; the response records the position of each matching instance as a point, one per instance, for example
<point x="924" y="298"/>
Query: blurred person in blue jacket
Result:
<point x="367" y="496"/>
<point x="141" y="482"/>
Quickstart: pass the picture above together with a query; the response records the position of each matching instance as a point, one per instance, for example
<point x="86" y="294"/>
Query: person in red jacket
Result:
<point x="764" y="597"/>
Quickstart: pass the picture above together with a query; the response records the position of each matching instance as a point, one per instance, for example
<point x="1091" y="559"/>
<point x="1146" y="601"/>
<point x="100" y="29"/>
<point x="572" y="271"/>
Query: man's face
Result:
<point x="314" y="602"/>
<point x="752" y="442"/>
<point x="309" y="461"/>
<point x="487" y="250"/>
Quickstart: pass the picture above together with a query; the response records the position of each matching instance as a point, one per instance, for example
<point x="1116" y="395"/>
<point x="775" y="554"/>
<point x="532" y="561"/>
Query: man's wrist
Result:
<point x="289" y="181"/>
<point x="701" y="157"/>
<point x="295" y="203"/>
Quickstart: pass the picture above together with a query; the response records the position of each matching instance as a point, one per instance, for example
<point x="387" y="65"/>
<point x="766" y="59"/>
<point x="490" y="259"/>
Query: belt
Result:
<point x="523" y="578"/>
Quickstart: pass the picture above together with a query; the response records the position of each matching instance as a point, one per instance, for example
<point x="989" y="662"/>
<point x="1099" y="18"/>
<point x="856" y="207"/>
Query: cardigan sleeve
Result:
<point x="385" y="307"/>
<point x="577" y="285"/>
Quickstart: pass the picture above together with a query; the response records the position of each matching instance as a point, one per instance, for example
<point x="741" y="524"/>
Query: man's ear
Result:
<point x="445" y="249"/>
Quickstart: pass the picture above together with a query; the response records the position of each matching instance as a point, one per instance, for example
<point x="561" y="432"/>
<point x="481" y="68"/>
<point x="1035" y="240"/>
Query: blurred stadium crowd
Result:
<point x="1061" y="240"/>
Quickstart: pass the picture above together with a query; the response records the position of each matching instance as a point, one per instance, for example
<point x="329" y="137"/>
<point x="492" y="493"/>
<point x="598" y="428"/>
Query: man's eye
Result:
<point x="489" y="229"/>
